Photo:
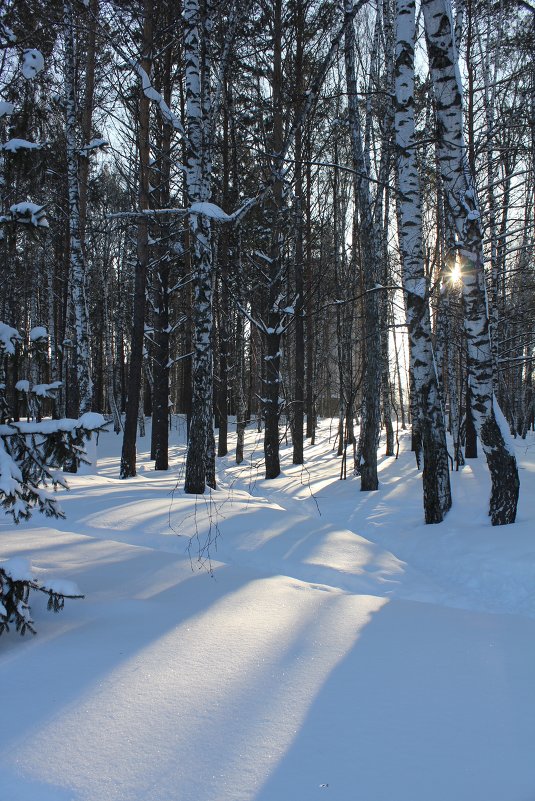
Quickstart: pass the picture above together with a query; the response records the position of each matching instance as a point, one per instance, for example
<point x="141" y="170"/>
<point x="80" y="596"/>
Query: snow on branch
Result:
<point x="6" y="108"/>
<point x="32" y="63"/>
<point x="149" y="91"/>
<point x="14" y="145"/>
<point x="31" y="453"/>
<point x="8" y="337"/>
<point x="26" y="213"/>
<point x="6" y="33"/>
<point x="94" y="144"/>
<point x="16" y="582"/>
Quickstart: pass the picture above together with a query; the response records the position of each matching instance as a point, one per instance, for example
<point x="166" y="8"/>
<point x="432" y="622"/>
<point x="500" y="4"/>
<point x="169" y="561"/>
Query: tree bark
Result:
<point x="135" y="373"/>
<point x="370" y="258"/>
<point x="77" y="261"/>
<point x="461" y="201"/>
<point x="273" y="330"/>
<point x="200" y="459"/>
<point x="429" y="419"/>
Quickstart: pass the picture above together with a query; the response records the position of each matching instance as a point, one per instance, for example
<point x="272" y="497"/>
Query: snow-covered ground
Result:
<point x="341" y="650"/>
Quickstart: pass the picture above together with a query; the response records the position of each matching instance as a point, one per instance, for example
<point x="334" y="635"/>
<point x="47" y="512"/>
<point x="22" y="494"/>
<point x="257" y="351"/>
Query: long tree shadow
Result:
<point x="134" y="597"/>
<point x="429" y="703"/>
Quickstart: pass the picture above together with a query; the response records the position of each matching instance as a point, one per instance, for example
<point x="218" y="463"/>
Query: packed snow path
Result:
<point x="342" y="650"/>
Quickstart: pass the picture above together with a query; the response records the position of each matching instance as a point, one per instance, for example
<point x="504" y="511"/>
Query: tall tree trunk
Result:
<point x="77" y="261"/>
<point x="298" y="410"/>
<point x="162" y="327"/>
<point x="310" y="332"/>
<point x="135" y="373"/>
<point x="240" y="349"/>
<point x="200" y="459"/>
<point x="273" y="330"/>
<point x="224" y="305"/>
<point x="462" y="205"/>
<point x="430" y="420"/>
<point x="87" y="111"/>
<point x="370" y="260"/>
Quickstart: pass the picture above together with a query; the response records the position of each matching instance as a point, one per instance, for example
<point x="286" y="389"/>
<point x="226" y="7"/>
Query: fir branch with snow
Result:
<point x="31" y="452"/>
<point x="16" y="582"/>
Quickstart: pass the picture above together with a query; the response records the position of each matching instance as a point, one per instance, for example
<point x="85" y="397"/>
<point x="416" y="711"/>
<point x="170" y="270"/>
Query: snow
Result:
<point x="14" y="145"/>
<point x="8" y="33"/>
<point x="41" y="390"/>
<point x="8" y="336"/>
<point x="19" y="569"/>
<point x="150" y="92"/>
<point x="94" y="144"/>
<point x="37" y="333"/>
<point x="211" y="210"/>
<point x="63" y="587"/>
<point x="32" y="63"/>
<point x="89" y="421"/>
<point x="6" y="108"/>
<point x="45" y="390"/>
<point x="28" y="212"/>
<point x="92" y="420"/>
<point x="503" y="425"/>
<point x="342" y="649"/>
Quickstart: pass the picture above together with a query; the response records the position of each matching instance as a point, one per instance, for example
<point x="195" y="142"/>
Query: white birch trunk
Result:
<point x="436" y="483"/>
<point x="462" y="207"/>
<point x="200" y="460"/>
<point x="77" y="262"/>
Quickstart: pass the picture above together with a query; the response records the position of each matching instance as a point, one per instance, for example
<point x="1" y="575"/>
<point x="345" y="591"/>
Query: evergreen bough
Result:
<point x="31" y="455"/>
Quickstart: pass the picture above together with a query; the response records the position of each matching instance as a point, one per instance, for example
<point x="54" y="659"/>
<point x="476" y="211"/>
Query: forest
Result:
<point x="273" y="211"/>
<point x="267" y="305"/>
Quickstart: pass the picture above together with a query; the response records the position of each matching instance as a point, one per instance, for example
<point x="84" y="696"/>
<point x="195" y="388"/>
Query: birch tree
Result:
<point x="436" y="483"/>
<point x="462" y="208"/>
<point x="77" y="260"/>
<point x="200" y="460"/>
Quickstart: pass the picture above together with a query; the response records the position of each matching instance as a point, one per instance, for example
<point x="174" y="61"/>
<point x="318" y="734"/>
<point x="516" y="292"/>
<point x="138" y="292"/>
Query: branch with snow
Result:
<point x="26" y="213"/>
<point x="32" y="63"/>
<point x="14" y="145"/>
<point x="8" y="338"/>
<point x="94" y="144"/>
<point x="31" y="455"/>
<point x="149" y="91"/>
<point x="16" y="582"/>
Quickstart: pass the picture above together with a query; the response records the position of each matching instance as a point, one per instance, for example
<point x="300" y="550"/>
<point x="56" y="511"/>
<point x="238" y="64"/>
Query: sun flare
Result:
<point x="455" y="276"/>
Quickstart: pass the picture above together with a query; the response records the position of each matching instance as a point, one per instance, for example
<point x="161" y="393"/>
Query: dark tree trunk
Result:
<point x="135" y="373"/>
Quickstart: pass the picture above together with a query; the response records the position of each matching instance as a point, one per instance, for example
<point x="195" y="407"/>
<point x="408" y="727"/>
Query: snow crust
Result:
<point x="342" y="649"/>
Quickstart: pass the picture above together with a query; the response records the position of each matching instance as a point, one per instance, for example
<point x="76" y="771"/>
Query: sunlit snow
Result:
<point x="338" y="649"/>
